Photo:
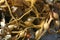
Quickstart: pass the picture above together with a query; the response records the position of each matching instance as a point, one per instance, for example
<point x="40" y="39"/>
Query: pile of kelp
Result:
<point x="29" y="20"/>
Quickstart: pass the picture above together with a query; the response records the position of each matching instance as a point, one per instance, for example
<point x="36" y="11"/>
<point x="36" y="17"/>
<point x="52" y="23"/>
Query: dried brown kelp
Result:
<point x="28" y="19"/>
